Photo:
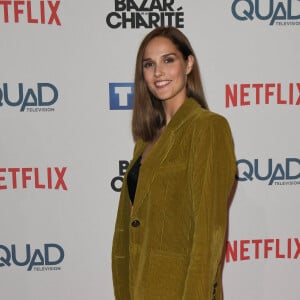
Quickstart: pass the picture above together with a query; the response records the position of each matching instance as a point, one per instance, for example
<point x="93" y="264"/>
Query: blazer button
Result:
<point x="135" y="223"/>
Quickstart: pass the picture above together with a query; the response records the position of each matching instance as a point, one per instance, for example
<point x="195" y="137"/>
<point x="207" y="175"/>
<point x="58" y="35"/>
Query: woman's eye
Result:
<point x="169" y="60"/>
<point x="148" y="64"/>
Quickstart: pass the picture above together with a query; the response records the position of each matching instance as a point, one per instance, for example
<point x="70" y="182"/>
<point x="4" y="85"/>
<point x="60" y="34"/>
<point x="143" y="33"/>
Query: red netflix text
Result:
<point x="43" y="12"/>
<point x="23" y="178"/>
<point x="272" y="248"/>
<point x="249" y="94"/>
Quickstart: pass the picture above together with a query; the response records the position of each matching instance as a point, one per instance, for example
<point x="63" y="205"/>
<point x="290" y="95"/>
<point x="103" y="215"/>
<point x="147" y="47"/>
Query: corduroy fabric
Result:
<point x="181" y="203"/>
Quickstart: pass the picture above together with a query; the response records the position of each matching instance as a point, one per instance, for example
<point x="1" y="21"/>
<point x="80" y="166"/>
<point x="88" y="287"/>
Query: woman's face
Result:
<point x="165" y="71"/>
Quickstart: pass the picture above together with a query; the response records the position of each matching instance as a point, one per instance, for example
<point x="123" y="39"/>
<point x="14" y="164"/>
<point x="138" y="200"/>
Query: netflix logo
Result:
<point x="31" y="12"/>
<point x="271" y="248"/>
<point x="253" y="94"/>
<point x="50" y="178"/>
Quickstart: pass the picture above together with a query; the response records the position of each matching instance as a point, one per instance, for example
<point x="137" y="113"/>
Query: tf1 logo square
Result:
<point x="121" y="95"/>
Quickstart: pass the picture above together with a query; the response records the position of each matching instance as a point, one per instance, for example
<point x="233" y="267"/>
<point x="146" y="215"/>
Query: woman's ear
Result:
<point x="189" y="65"/>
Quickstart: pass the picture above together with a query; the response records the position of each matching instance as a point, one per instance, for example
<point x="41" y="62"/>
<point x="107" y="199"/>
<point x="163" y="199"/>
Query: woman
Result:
<point x="172" y="218"/>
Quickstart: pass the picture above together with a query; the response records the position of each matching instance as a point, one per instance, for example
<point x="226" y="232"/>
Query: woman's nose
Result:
<point x="158" y="71"/>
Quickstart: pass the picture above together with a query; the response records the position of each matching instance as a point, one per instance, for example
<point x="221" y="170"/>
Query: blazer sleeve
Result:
<point x="212" y="171"/>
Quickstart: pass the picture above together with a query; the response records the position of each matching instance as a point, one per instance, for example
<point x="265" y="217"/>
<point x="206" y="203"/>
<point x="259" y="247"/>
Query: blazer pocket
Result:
<point x="166" y="276"/>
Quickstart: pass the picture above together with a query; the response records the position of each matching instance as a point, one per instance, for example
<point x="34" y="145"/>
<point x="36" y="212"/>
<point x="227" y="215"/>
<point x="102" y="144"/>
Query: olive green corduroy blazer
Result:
<point x="171" y="247"/>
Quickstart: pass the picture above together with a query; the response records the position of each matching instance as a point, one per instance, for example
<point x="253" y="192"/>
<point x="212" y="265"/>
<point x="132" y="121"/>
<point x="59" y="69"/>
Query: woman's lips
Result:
<point x="161" y="83"/>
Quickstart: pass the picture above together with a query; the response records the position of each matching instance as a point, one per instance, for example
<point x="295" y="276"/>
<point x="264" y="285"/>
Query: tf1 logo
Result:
<point x="121" y="96"/>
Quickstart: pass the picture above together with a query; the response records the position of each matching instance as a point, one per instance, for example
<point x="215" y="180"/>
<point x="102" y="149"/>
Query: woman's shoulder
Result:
<point x="203" y="118"/>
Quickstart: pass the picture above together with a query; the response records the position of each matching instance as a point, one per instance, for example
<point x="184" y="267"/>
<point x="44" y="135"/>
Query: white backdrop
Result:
<point x="65" y="137"/>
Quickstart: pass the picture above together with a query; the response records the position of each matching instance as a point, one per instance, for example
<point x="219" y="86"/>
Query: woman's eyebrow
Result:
<point x="168" y="54"/>
<point x="164" y="55"/>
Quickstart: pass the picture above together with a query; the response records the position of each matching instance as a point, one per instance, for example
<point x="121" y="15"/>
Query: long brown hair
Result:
<point x="148" y="113"/>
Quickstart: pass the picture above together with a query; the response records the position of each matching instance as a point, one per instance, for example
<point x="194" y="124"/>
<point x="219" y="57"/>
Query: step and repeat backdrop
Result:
<point x="66" y="88"/>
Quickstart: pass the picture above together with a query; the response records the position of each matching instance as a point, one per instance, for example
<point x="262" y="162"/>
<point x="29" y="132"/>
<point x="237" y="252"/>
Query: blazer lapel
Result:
<point x="160" y="151"/>
<point x="148" y="169"/>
